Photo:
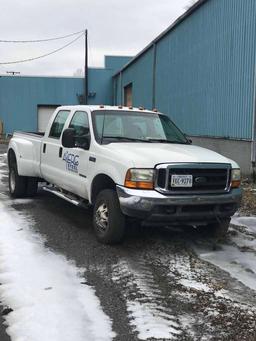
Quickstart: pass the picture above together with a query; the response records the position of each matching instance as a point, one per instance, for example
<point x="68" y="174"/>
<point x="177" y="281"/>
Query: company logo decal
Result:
<point x="72" y="161"/>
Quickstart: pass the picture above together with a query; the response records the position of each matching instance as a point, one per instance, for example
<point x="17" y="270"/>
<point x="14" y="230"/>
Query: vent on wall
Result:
<point x="80" y="97"/>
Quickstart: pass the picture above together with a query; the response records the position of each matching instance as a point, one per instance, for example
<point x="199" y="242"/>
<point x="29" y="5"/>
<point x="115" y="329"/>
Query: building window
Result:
<point x="128" y="95"/>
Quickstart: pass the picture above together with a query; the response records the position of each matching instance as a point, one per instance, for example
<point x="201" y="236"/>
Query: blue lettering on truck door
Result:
<point x="72" y="161"/>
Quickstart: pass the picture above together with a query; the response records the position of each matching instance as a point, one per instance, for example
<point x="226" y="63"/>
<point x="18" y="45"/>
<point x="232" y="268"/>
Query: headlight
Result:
<point x="140" y="178"/>
<point x="235" y="178"/>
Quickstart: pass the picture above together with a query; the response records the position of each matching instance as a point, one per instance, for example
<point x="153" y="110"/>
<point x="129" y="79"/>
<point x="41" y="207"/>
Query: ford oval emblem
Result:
<point x="200" y="180"/>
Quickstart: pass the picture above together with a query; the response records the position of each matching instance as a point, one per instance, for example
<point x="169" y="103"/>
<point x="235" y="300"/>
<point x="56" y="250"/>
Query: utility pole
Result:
<point x="85" y="67"/>
<point x="13" y="72"/>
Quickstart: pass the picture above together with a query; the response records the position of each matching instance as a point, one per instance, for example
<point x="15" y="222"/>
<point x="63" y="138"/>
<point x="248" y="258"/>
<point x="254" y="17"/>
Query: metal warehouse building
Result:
<point x="26" y="103"/>
<point x="201" y="71"/>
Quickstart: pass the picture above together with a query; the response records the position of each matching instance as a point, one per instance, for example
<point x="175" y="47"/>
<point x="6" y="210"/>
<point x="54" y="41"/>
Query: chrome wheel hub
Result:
<point x="102" y="217"/>
<point x="12" y="180"/>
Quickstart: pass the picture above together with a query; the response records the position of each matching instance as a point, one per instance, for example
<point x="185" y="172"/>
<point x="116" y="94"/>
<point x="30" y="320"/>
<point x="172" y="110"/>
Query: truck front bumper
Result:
<point x="154" y="207"/>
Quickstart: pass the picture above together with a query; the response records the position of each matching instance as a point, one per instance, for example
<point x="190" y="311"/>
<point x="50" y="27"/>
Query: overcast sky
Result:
<point x="115" y="27"/>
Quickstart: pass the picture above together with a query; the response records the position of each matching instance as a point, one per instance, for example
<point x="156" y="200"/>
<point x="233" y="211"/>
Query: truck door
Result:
<point x="52" y="166"/>
<point x="77" y="159"/>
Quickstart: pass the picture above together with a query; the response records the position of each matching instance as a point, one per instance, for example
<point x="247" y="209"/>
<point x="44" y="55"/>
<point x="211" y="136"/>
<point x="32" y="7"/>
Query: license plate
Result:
<point x="181" y="180"/>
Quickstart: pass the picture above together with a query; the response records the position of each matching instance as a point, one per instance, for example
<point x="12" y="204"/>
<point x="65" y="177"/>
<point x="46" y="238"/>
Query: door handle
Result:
<point x="44" y="148"/>
<point x="60" y="152"/>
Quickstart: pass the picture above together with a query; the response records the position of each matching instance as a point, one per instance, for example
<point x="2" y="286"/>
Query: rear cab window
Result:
<point x="58" y="124"/>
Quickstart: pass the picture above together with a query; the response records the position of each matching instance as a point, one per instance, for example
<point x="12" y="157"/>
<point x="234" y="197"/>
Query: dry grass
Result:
<point x="248" y="205"/>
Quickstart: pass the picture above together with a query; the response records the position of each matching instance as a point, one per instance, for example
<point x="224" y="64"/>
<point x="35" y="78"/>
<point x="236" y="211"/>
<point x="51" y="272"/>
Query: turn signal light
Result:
<point x="235" y="183"/>
<point x="235" y="178"/>
<point x="139" y="178"/>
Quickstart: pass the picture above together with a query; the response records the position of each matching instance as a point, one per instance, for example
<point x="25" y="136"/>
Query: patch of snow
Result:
<point x="238" y="255"/>
<point x="222" y="293"/>
<point x="249" y="222"/>
<point x="190" y="283"/>
<point x="187" y="322"/>
<point x="148" y="315"/>
<point x="240" y="265"/>
<point x="20" y="201"/>
<point x="44" y="289"/>
<point x="148" y="324"/>
<point x="5" y="157"/>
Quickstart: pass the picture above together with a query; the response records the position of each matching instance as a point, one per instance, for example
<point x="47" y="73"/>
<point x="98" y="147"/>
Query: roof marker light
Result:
<point x="155" y="110"/>
<point x="101" y="106"/>
<point x="141" y="108"/>
<point x="130" y="107"/>
<point x="120" y="107"/>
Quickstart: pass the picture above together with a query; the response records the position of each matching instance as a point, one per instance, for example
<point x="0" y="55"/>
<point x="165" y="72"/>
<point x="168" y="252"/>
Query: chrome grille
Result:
<point x="214" y="178"/>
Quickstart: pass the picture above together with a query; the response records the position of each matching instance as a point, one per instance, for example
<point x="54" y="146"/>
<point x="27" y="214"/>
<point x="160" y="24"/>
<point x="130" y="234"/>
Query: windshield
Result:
<point x="128" y="126"/>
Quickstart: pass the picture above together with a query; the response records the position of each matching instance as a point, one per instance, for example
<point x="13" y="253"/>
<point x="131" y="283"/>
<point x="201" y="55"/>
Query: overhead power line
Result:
<point x="40" y="40"/>
<point x="44" y="55"/>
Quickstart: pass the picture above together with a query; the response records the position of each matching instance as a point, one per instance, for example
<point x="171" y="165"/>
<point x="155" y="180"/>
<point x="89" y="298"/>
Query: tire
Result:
<point x="32" y="186"/>
<point x="17" y="183"/>
<point x="108" y="220"/>
<point x="218" y="229"/>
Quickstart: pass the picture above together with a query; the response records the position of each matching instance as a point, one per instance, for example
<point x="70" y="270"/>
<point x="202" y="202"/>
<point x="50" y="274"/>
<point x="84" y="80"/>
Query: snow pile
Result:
<point x="44" y="289"/>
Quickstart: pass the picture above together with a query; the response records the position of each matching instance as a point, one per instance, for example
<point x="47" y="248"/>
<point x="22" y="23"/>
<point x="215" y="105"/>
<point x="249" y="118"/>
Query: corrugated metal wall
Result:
<point x="20" y="96"/>
<point x="204" y="71"/>
<point x="141" y="75"/>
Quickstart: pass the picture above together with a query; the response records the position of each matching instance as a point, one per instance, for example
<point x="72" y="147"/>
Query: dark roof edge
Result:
<point x="179" y="20"/>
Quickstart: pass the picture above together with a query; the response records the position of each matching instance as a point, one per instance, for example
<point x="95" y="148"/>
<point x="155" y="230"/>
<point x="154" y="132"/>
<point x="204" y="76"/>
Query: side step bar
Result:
<point x="66" y="196"/>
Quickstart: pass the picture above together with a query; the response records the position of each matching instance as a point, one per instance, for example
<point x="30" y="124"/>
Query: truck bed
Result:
<point x="28" y="146"/>
<point x="30" y="133"/>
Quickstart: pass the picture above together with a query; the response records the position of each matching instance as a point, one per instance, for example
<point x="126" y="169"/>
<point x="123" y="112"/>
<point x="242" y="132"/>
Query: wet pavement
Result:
<point x="160" y="284"/>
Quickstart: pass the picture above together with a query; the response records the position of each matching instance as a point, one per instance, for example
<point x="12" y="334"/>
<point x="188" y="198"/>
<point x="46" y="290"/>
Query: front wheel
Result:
<point x="219" y="228"/>
<point x="108" y="220"/>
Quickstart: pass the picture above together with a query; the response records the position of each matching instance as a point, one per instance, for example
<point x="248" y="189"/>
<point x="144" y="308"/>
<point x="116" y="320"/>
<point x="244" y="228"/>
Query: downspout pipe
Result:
<point x="253" y="146"/>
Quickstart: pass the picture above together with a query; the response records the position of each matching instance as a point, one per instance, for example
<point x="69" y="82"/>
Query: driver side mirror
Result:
<point x="68" y="138"/>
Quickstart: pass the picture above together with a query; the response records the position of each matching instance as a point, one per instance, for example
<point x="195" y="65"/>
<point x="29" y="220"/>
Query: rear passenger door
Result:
<point x="52" y="166"/>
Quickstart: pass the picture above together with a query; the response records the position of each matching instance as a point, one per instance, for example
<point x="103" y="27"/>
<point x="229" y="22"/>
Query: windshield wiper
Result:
<point x="124" y="138"/>
<point x="164" y="141"/>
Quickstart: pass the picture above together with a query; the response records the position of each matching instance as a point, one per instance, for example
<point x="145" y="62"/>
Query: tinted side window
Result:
<point x="80" y="123"/>
<point x="58" y="124"/>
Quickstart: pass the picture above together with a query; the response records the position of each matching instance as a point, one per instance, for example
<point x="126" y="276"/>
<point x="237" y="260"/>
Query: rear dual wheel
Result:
<point x="21" y="186"/>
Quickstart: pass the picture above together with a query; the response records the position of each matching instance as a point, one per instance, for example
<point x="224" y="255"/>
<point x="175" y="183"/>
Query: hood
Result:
<point x="147" y="155"/>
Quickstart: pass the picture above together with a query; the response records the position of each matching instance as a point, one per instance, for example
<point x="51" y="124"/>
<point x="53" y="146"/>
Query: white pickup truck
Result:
<point x="128" y="164"/>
